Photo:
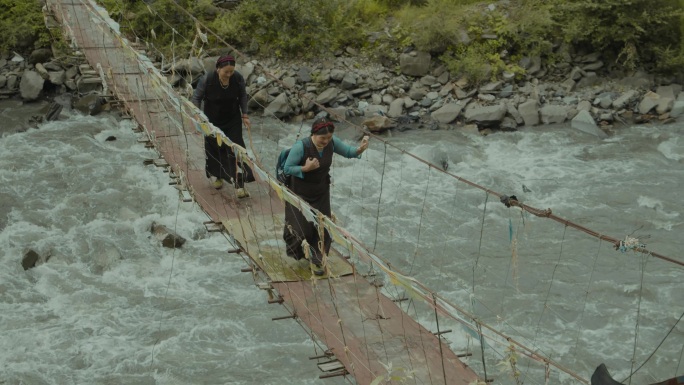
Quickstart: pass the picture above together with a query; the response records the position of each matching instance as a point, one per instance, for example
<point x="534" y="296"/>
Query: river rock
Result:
<point x="31" y="85"/>
<point x="584" y="122"/>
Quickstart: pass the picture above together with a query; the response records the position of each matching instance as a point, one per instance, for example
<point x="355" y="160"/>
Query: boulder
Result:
<point x="487" y="116"/>
<point x="551" y="114"/>
<point x="584" y="122"/>
<point x="31" y="85"/>
<point x="167" y="237"/>
<point x="448" y="112"/>
<point x="415" y="63"/>
<point x="280" y="107"/>
<point x="529" y="111"/>
<point x="378" y="123"/>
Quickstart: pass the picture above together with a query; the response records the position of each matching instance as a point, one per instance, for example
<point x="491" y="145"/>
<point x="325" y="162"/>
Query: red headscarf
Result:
<point x="320" y="125"/>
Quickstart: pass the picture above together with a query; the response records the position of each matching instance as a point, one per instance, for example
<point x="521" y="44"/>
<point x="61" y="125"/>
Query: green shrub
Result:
<point x="297" y="28"/>
<point x="401" y="3"/>
<point x="476" y="40"/>
<point x="22" y="26"/>
<point x="471" y="63"/>
<point x="631" y="31"/>
<point x="163" y="24"/>
<point x="276" y="26"/>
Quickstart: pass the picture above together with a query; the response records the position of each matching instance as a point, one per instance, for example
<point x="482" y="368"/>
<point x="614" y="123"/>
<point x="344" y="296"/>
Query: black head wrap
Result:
<point x="225" y="60"/>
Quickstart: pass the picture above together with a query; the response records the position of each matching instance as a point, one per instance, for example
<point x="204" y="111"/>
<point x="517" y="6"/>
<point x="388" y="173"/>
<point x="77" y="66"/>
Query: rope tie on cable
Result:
<point x="512" y="200"/>
<point x="509" y="201"/>
<point x="630" y="243"/>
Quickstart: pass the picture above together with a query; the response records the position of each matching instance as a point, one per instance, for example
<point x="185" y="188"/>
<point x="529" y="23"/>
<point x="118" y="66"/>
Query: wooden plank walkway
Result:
<point x="364" y="329"/>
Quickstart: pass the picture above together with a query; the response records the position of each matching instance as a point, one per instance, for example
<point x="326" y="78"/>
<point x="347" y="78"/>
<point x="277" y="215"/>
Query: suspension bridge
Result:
<point x="374" y="322"/>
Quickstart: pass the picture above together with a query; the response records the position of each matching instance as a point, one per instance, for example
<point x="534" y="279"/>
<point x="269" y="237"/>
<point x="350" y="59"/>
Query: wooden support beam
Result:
<point x="326" y="354"/>
<point x="213" y="227"/>
<point x="342" y="372"/>
<point x="284" y="317"/>
<point x="264" y="286"/>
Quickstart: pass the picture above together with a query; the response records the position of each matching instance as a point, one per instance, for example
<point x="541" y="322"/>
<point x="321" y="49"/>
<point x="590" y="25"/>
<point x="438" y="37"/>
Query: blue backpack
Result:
<point x="283" y="177"/>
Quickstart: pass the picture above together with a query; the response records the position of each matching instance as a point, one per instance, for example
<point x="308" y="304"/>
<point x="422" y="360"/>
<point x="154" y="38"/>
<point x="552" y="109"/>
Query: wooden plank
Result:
<point x="331" y="366"/>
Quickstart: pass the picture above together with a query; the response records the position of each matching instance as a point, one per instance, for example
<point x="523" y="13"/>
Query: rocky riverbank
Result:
<point x="419" y="93"/>
<point x="421" y="90"/>
<point x="50" y="84"/>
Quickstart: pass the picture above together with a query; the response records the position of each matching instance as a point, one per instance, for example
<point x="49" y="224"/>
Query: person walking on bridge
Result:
<point x="225" y="104"/>
<point x="308" y="165"/>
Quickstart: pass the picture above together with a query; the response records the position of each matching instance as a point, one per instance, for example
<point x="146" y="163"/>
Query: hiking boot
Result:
<point x="318" y="270"/>
<point x="217" y="184"/>
<point x="242" y="193"/>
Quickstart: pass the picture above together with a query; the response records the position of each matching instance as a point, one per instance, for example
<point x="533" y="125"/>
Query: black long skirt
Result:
<point x="297" y="229"/>
<point x="222" y="163"/>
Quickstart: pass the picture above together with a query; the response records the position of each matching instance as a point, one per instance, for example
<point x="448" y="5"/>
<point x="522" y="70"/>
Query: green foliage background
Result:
<point x="477" y="38"/>
<point x="21" y="25"/>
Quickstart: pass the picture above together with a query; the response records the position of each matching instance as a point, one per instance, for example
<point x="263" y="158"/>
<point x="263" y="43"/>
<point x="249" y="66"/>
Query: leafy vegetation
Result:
<point x="163" y="24"/>
<point x="634" y="32"/>
<point x="480" y="39"/>
<point x="298" y="28"/>
<point x="21" y="25"/>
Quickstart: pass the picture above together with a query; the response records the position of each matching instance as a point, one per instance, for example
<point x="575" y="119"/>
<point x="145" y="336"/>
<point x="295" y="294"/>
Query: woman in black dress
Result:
<point x="225" y="104"/>
<point x="308" y="165"/>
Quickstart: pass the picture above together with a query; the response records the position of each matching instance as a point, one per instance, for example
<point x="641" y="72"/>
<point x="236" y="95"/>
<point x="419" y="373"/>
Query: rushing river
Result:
<point x="112" y="306"/>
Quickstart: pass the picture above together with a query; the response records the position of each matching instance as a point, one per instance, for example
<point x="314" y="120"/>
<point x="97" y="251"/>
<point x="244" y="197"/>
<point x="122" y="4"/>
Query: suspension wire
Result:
<point x="378" y="317"/>
<point x="400" y="292"/>
<point x="482" y="350"/>
<point x="479" y="245"/>
<point x="656" y="349"/>
<point x="548" y="290"/>
<point x="439" y="337"/>
<point x="422" y="340"/>
<point x="420" y="222"/>
<point x="333" y="295"/>
<point x="586" y="296"/>
<point x="512" y="270"/>
<point x="644" y="261"/>
<point x="396" y="198"/>
<point x="382" y="182"/>
<point x="681" y="353"/>
<point x="358" y="300"/>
